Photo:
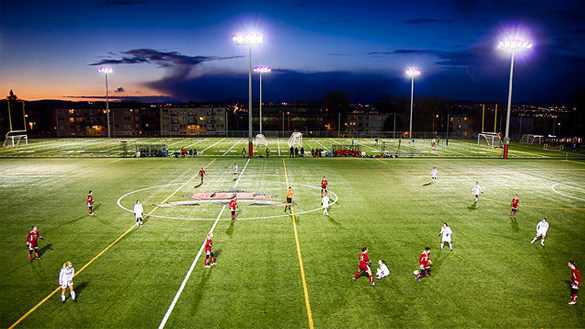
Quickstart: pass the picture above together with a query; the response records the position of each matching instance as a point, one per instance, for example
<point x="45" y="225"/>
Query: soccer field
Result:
<point x="276" y="270"/>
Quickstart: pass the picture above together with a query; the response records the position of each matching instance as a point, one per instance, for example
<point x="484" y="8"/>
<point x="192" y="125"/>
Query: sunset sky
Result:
<point x="182" y="50"/>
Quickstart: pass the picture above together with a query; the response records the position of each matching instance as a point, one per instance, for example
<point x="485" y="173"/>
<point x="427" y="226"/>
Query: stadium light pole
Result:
<point x="105" y="70"/>
<point x="261" y="70"/>
<point x="513" y="45"/>
<point x="411" y="72"/>
<point x="249" y="39"/>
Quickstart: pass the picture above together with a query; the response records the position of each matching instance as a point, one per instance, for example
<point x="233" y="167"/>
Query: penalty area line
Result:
<point x="188" y="275"/>
<point x="101" y="253"/>
<point x="303" y="279"/>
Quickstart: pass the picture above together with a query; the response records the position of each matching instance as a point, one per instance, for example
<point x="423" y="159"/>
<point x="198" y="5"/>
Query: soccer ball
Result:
<point x="416" y="272"/>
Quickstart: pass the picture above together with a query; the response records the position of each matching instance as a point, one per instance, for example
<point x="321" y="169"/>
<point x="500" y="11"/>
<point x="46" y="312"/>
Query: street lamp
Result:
<point x="512" y="45"/>
<point x="249" y="39"/>
<point x="261" y="70"/>
<point x="411" y="72"/>
<point x="105" y="70"/>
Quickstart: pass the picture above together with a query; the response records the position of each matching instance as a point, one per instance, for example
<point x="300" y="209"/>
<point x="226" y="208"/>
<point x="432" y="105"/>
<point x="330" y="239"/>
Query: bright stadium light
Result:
<point x="411" y="72"/>
<point x="512" y="45"/>
<point x="261" y="70"/>
<point x="105" y="70"/>
<point x="249" y="39"/>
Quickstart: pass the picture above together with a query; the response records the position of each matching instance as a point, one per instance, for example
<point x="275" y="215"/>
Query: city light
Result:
<point x="411" y="72"/>
<point x="262" y="69"/>
<point x="105" y="69"/>
<point x="514" y="44"/>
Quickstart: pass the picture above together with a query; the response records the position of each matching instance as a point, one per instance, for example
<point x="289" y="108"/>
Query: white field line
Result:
<point x="236" y="143"/>
<point x="179" y="141"/>
<point x="210" y="146"/>
<point x="170" y="310"/>
<point x="325" y="147"/>
<point x="278" y="143"/>
<point x="195" y="143"/>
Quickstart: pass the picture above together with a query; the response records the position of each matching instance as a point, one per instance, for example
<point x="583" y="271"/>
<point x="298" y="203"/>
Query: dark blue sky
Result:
<point x="183" y="49"/>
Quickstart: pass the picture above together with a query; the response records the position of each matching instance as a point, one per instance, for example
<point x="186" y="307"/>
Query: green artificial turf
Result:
<point x="494" y="277"/>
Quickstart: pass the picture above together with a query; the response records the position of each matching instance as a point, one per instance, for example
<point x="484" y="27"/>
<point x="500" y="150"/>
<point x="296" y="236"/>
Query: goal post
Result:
<point x="16" y="138"/>
<point x="490" y="139"/>
<point x="295" y="140"/>
<point x="261" y="140"/>
<point x="531" y="139"/>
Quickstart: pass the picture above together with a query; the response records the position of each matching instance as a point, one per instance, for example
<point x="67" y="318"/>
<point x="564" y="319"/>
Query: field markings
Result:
<point x="188" y="275"/>
<point x="320" y="144"/>
<point x="236" y="143"/>
<point x="103" y="251"/>
<point x="278" y="143"/>
<point x="107" y="163"/>
<point x="304" y="281"/>
<point x="196" y="143"/>
<point x="210" y="146"/>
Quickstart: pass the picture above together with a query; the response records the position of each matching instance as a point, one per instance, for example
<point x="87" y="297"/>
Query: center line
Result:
<point x="188" y="275"/>
<point x="303" y="280"/>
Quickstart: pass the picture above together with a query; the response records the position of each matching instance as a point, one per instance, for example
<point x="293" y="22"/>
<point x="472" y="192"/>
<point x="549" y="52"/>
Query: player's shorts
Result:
<point x="233" y="211"/>
<point x="541" y="233"/>
<point x="325" y="204"/>
<point x="137" y="216"/>
<point x="514" y="209"/>
<point x="323" y="188"/>
<point x="33" y="247"/>
<point x="446" y="238"/>
<point x="288" y="200"/>
<point x="68" y="283"/>
<point x="364" y="268"/>
<point x="425" y="267"/>
<point x="207" y="251"/>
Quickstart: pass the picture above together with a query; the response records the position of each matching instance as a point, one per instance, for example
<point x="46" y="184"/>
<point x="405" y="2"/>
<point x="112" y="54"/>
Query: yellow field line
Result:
<point x="383" y="162"/>
<point x="538" y="207"/>
<point x="304" y="281"/>
<point x="103" y="251"/>
<point x="105" y="164"/>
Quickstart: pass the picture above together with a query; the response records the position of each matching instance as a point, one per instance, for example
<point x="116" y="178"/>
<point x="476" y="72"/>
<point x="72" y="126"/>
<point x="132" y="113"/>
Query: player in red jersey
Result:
<point x="425" y="264"/>
<point x="32" y="244"/>
<point x="514" y="206"/>
<point x="202" y="174"/>
<point x="323" y="186"/>
<point x="233" y="206"/>
<point x="364" y="266"/>
<point x="208" y="252"/>
<point x="90" y="203"/>
<point x="575" y="282"/>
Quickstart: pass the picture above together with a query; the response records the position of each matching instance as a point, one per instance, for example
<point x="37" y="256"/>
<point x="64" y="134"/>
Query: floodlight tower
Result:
<point x="105" y="70"/>
<point x="411" y="72"/>
<point x="261" y="70"/>
<point x="513" y="45"/>
<point x="249" y="39"/>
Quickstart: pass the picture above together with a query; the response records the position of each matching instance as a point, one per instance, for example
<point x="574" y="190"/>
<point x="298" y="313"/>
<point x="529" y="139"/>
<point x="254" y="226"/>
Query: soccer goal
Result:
<point x="261" y="140"/>
<point x="295" y="140"/>
<point x="492" y="140"/>
<point x="15" y="140"/>
<point x="531" y="139"/>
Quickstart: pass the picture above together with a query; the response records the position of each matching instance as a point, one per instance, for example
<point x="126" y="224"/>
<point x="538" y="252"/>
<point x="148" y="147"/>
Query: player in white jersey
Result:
<point x="138" y="213"/>
<point x="541" y="229"/>
<point x="66" y="280"/>
<point x="383" y="270"/>
<point x="325" y="203"/>
<point x="235" y="171"/>
<point x="447" y="233"/>
<point x="476" y="191"/>
<point x="434" y="174"/>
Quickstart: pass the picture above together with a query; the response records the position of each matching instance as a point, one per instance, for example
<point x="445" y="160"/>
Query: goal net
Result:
<point x="531" y="139"/>
<point x="491" y="140"/>
<point x="15" y="140"/>
<point x="261" y="140"/>
<point x="295" y="140"/>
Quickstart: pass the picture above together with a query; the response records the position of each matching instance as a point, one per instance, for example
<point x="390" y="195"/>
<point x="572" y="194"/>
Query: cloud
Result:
<point x="444" y="58"/>
<point x="428" y="21"/>
<point x="119" y="90"/>
<point x="163" y="59"/>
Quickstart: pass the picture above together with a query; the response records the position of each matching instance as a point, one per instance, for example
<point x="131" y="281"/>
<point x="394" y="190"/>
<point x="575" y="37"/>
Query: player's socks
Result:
<point x="73" y="296"/>
<point x="63" y="298"/>
<point x="542" y="243"/>
<point x="442" y="245"/>
<point x="451" y="247"/>
<point x="356" y="274"/>
<point x="371" y="279"/>
<point x="533" y="240"/>
<point x="37" y="255"/>
<point x="30" y="256"/>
